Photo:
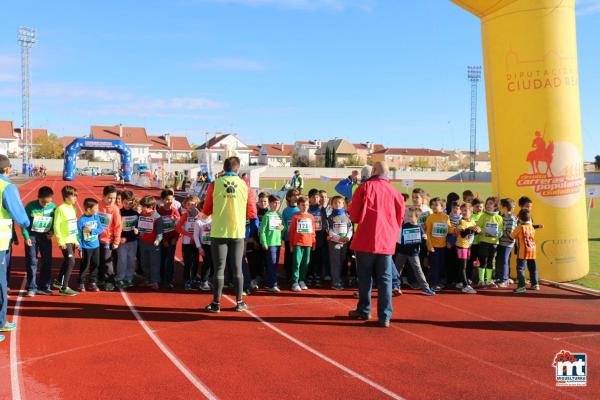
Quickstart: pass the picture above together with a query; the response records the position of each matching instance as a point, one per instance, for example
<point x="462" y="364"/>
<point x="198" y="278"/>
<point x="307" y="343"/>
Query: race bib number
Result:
<point x="491" y="229"/>
<point x="205" y="235"/>
<point x="440" y="229"/>
<point x="168" y="224"/>
<point x="304" y="226"/>
<point x="41" y="224"/>
<point x="105" y="219"/>
<point x="340" y="229"/>
<point x="88" y="236"/>
<point x="274" y="223"/>
<point x="72" y="226"/>
<point x="189" y="225"/>
<point x="145" y="224"/>
<point x="411" y="235"/>
<point x="129" y="222"/>
<point x="318" y="223"/>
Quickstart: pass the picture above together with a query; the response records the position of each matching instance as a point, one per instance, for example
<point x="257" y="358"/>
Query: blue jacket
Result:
<point x="89" y="240"/>
<point x="287" y="215"/>
<point x="11" y="201"/>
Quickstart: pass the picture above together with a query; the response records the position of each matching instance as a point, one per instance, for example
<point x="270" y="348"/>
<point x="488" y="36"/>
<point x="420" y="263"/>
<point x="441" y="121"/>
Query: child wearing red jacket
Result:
<point x="170" y="217"/>
<point x="110" y="239"/>
<point x="185" y="227"/>
<point x="302" y="240"/>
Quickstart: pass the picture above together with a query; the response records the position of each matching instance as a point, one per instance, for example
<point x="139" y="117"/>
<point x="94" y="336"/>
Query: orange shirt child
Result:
<point x="302" y="230"/>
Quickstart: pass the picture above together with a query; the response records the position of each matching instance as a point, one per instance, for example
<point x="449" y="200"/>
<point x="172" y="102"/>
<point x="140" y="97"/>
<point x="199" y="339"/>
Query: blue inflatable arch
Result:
<point x="77" y="145"/>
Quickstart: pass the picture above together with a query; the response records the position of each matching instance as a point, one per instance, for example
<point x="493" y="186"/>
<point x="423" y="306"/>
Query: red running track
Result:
<point x="491" y="345"/>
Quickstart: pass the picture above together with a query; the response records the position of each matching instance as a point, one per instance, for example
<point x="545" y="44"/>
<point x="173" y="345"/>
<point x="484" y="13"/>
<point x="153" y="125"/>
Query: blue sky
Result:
<point x="388" y="71"/>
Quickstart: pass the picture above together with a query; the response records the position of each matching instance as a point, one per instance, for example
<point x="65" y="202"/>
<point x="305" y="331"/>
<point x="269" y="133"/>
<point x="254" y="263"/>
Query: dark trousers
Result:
<point x="272" y="263"/>
<point x="437" y="263"/>
<point x="207" y="269"/>
<point x="288" y="261"/>
<point x="381" y="266"/>
<point x="227" y="252"/>
<point x="257" y="260"/>
<point x="503" y="263"/>
<point x="42" y="245"/>
<point x="533" y="273"/>
<point x="3" y="288"/>
<point x="315" y="268"/>
<point x="106" y="270"/>
<point x="90" y="259"/>
<point x="190" y="261"/>
<point x="452" y="267"/>
<point x="167" y="263"/>
<point x="67" y="266"/>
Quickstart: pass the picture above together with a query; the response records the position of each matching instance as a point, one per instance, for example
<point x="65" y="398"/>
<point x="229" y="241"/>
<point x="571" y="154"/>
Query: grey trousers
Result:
<point x="337" y="258"/>
<point x="150" y="260"/>
<point x="126" y="261"/>
<point x="415" y="265"/>
<point x="227" y="252"/>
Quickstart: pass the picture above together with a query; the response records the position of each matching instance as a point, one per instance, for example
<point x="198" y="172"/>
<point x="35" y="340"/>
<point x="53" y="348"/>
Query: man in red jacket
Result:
<point x="378" y="209"/>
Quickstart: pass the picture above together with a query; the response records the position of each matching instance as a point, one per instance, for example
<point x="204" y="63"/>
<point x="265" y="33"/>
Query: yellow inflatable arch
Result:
<point x="532" y="91"/>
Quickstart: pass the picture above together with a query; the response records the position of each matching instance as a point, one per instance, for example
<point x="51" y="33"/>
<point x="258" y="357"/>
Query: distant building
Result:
<point x="135" y="137"/>
<point x="460" y="160"/>
<point x="9" y="139"/>
<point x="254" y="158"/>
<point x="365" y="150"/>
<point x="409" y="159"/>
<point x="276" y="155"/>
<point x="306" y="149"/>
<point x="344" y="151"/>
<point x="224" y="145"/>
<point x="171" y="147"/>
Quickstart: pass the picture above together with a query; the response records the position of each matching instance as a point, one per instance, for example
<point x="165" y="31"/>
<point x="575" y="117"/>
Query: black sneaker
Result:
<point x="354" y="314"/>
<point x="109" y="287"/>
<point x="384" y="323"/>
<point x="213" y="308"/>
<point x="241" y="306"/>
<point x="92" y="287"/>
<point x="56" y="284"/>
<point x="44" y="292"/>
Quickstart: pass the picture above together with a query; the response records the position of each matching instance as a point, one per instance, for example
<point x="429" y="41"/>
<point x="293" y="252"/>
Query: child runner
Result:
<point x="474" y="261"/>
<point x="465" y="234"/>
<point x="326" y="205"/>
<point x="150" y="226"/>
<point x="315" y="268"/>
<point x="110" y="239"/>
<point x="452" y="267"/>
<point x="412" y="236"/>
<point x="202" y="241"/>
<point x="170" y="217"/>
<point x="525" y="235"/>
<point x="467" y="196"/>
<point x="65" y="229"/>
<point x="302" y="240"/>
<point x="270" y="240"/>
<point x="185" y="227"/>
<point x="506" y="243"/>
<point x="38" y="238"/>
<point x="491" y="226"/>
<point x="128" y="249"/>
<point x="437" y="226"/>
<point x="339" y="233"/>
<point x="291" y="198"/>
<point x="419" y="200"/>
<point x="89" y="227"/>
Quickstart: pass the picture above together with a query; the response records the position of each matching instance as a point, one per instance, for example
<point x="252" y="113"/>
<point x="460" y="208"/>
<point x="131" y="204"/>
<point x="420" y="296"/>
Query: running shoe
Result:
<point x="355" y="314"/>
<point x="437" y="288"/>
<point x="188" y="286"/>
<point x="520" y="289"/>
<point x="428" y="292"/>
<point x="302" y="285"/>
<point x="92" y="287"/>
<point x="273" y="289"/>
<point x="384" y="324"/>
<point x="109" y="287"/>
<point x="240" y="306"/>
<point x="459" y="285"/>
<point x="469" y="290"/>
<point x="81" y="287"/>
<point x="296" y="287"/>
<point x="338" y="286"/>
<point x="491" y="285"/>
<point x="56" y="284"/>
<point x="253" y="284"/>
<point x="30" y="293"/>
<point x="9" y="327"/>
<point x="213" y="308"/>
<point x="396" y="292"/>
<point x="205" y="286"/>
<point x="2" y="338"/>
<point x="503" y="284"/>
<point x="535" y="287"/>
<point x="44" y="292"/>
<point x="68" y="292"/>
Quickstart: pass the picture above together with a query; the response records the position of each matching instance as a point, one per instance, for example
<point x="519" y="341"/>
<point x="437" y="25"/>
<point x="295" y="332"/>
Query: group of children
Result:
<point x="447" y="243"/>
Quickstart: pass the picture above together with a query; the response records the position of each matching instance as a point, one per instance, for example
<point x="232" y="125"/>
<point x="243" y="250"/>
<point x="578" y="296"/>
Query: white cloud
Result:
<point x="587" y="7"/>
<point x="154" y="107"/>
<point x="309" y="5"/>
<point x="239" y="64"/>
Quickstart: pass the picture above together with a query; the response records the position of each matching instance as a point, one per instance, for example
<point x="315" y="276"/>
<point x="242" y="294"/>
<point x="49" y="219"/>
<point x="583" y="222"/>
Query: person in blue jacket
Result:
<point x="11" y="210"/>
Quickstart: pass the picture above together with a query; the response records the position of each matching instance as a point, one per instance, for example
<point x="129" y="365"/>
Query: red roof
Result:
<point x="178" y="143"/>
<point x="6" y="130"/>
<point x="412" y="152"/>
<point x="279" y="150"/>
<point x="131" y="135"/>
<point x="255" y="150"/>
<point x="66" y="140"/>
<point x="365" y="146"/>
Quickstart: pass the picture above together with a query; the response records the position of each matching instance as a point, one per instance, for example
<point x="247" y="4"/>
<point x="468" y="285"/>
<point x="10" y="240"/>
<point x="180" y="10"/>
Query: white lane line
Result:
<point x="322" y="356"/>
<point x="15" y="368"/>
<point x="170" y="355"/>
<point x="576" y="336"/>
<point x="465" y="354"/>
<point x="14" y="350"/>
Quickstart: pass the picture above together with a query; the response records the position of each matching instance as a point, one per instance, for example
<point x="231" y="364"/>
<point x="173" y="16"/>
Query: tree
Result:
<point x="352" y="161"/>
<point x="597" y="161"/>
<point x="48" y="147"/>
<point x="327" y="157"/>
<point x="333" y="159"/>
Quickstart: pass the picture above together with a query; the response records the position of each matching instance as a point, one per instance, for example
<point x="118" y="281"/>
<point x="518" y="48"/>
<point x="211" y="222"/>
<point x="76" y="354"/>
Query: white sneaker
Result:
<point x="459" y="285"/>
<point x="253" y="284"/>
<point x="296" y="287"/>
<point x="511" y="282"/>
<point x="273" y="289"/>
<point x="303" y="285"/>
<point x="469" y="290"/>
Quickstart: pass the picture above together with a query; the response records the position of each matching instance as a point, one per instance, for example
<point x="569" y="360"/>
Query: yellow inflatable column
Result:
<point x="532" y="89"/>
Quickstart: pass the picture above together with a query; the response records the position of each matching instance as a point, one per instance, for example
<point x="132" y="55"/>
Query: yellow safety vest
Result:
<point x="5" y="220"/>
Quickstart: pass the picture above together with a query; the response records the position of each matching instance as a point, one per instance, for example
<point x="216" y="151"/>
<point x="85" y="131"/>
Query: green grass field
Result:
<point x="592" y="280"/>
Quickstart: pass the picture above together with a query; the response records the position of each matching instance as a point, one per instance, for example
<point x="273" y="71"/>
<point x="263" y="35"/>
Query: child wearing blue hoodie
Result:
<point x="291" y="198"/>
<point x="89" y="227"/>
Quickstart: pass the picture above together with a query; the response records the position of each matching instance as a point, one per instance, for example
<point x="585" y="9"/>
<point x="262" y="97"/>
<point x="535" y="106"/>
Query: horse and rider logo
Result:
<point x="541" y="153"/>
<point x="555" y="170"/>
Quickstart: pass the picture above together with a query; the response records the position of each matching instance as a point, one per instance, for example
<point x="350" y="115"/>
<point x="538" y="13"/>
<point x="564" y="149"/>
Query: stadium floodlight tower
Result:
<point x="27" y="38"/>
<point x="474" y="75"/>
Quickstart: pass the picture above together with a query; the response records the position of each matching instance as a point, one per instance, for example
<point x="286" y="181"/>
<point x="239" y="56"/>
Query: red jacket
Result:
<point x="170" y="218"/>
<point x="113" y="228"/>
<point x="378" y="209"/>
<point x="304" y="235"/>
